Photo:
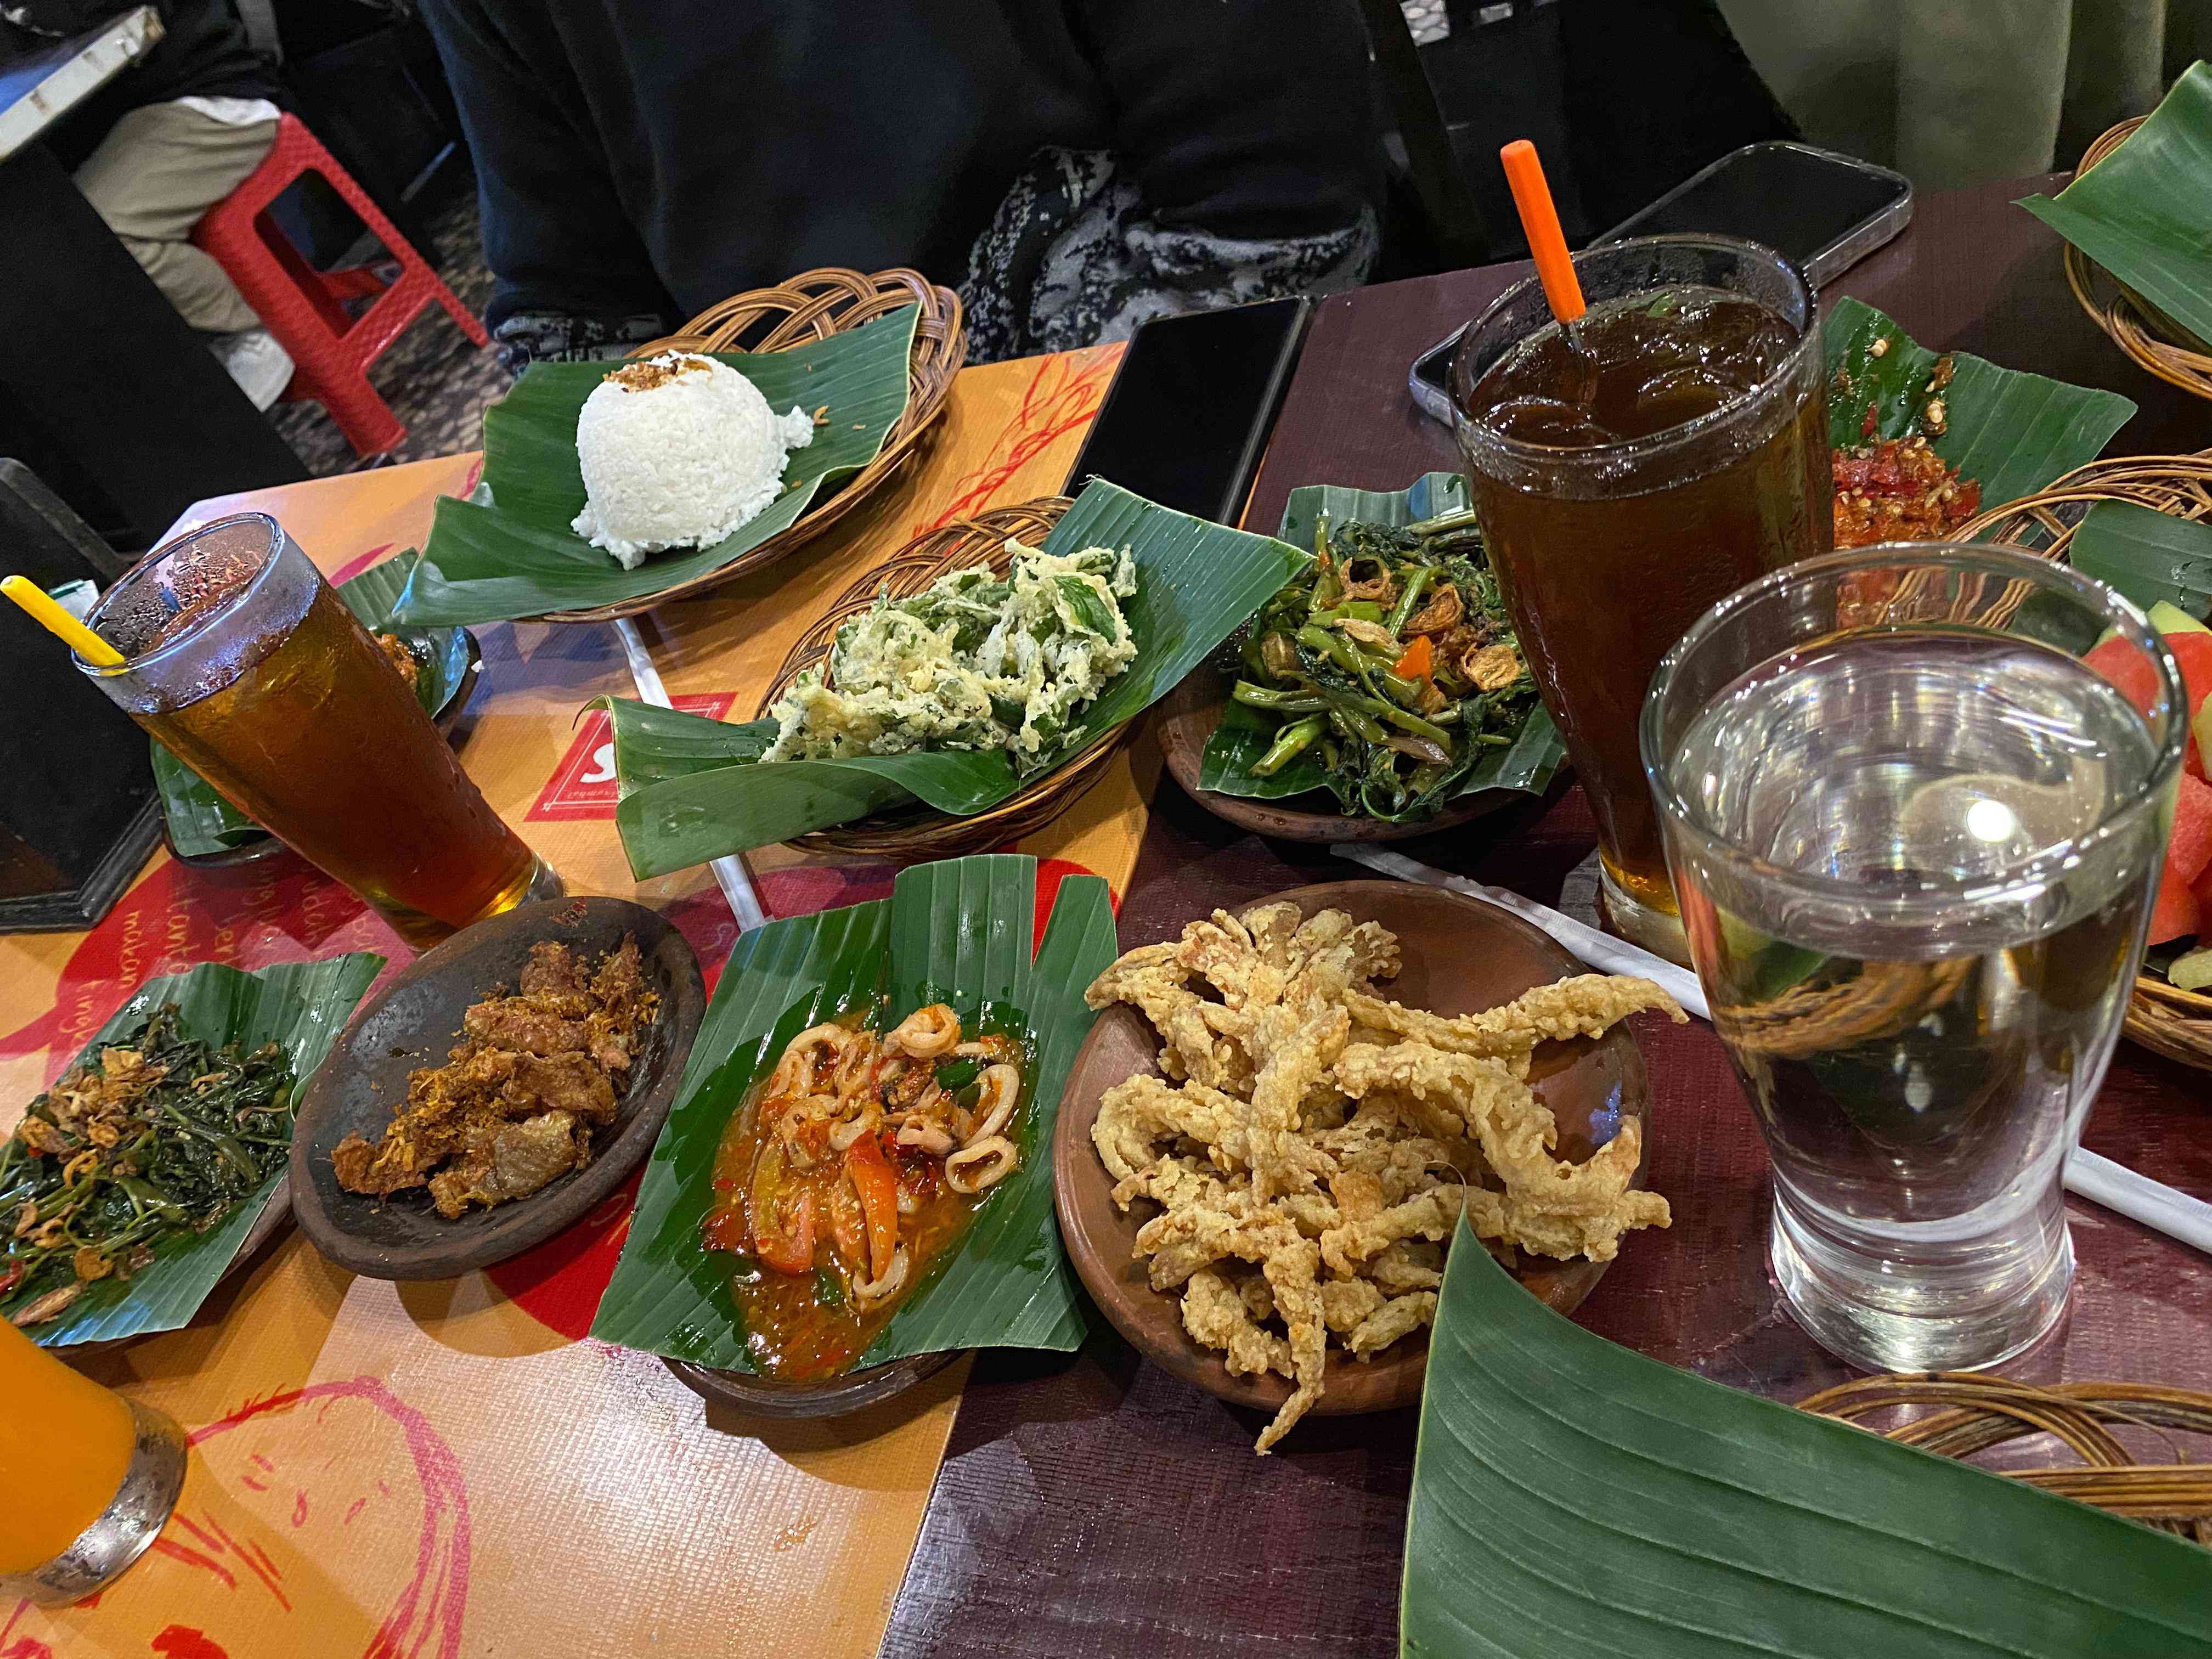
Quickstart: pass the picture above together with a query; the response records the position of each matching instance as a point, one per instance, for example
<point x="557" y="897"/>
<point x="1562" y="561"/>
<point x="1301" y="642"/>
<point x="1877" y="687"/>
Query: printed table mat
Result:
<point x="451" y="1468"/>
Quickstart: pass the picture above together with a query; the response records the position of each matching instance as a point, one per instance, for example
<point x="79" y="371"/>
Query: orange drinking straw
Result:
<point x="1540" y="219"/>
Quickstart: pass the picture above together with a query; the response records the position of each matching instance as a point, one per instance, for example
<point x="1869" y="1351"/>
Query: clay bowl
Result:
<point x="1461" y="956"/>
<point x="1188" y="715"/>
<point x="835" y="1397"/>
<point x="412" y="1022"/>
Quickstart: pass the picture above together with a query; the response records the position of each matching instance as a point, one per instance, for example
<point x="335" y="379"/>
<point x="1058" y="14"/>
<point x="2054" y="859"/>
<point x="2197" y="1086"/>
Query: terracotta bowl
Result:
<point x="1461" y="956"/>
<point x="412" y="1022"/>
<point x="1188" y="715"/>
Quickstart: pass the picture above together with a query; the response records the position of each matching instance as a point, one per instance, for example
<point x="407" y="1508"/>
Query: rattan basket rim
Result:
<point x="951" y="546"/>
<point x="814" y="305"/>
<point x="1976" y="1412"/>
<point x="2132" y="323"/>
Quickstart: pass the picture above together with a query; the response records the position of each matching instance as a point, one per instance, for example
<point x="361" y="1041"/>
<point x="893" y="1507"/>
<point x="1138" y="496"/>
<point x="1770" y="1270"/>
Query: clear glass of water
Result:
<point x="1915" y="839"/>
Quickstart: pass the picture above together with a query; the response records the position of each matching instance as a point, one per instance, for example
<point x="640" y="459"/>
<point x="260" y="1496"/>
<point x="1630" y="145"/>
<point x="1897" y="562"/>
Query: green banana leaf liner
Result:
<point x="959" y="932"/>
<point x="300" y="1005"/>
<point x="2149" y="555"/>
<point x="1244" y="734"/>
<point x="201" y="823"/>
<point x="2011" y="432"/>
<point x="1575" y="1499"/>
<point x="690" y="791"/>
<point x="517" y="556"/>
<point x="2141" y="212"/>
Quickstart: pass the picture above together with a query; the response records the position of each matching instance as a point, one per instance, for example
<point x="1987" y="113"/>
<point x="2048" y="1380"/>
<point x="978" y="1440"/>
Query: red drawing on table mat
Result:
<point x="583" y="785"/>
<point x="183" y="1642"/>
<point x="559" y="1283"/>
<point x="280" y="909"/>
<point x="1063" y="394"/>
<point x="352" y="568"/>
<point x="23" y="1647"/>
<point x="423" y="1620"/>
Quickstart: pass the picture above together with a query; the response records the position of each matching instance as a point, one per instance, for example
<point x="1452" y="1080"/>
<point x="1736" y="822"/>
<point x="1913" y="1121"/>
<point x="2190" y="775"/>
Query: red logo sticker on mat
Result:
<point x="583" y="785"/>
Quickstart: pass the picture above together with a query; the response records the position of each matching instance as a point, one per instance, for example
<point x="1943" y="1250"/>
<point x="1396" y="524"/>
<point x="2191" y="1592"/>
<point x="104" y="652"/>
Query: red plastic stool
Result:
<point x="305" y="308"/>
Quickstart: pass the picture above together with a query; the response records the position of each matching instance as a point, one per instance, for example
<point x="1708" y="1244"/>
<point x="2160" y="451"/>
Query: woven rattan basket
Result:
<point x="2136" y="327"/>
<point x="2174" y="1022"/>
<point x="915" y="833"/>
<point x="1977" y="1412"/>
<point x="813" y="306"/>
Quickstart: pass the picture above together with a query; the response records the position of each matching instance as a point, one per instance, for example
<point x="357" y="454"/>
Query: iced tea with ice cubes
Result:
<point x="1628" y="473"/>
<point x="240" y="657"/>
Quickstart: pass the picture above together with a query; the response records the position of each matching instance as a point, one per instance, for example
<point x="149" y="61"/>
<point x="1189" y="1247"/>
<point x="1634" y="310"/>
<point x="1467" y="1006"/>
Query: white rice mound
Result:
<point x="679" y="450"/>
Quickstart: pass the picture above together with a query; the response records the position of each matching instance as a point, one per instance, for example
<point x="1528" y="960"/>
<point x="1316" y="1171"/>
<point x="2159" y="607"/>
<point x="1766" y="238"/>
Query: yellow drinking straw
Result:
<point x="65" y="627"/>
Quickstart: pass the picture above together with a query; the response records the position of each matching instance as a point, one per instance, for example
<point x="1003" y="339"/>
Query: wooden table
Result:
<point x="552" y="1492"/>
<point x="1101" y="1508"/>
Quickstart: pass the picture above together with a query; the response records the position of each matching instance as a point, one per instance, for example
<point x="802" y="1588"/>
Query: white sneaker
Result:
<point x="262" y="367"/>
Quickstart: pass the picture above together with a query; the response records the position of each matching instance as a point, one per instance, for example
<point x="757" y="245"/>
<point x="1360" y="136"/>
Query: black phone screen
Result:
<point x="1189" y="412"/>
<point x="1793" y="199"/>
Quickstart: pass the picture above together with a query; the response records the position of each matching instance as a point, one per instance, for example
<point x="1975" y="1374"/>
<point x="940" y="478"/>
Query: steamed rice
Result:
<point x="679" y="450"/>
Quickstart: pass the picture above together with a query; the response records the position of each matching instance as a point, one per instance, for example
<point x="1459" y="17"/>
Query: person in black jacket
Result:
<point x="163" y="142"/>
<point x="1076" y="165"/>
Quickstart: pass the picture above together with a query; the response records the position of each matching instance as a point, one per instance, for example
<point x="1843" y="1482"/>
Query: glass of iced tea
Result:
<point x="1916" y="838"/>
<point x="1629" y="470"/>
<point x="239" y="657"/>
<point x="90" y="1477"/>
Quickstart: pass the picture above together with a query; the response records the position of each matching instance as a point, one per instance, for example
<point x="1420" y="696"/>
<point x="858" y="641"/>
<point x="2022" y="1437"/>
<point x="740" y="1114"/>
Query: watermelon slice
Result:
<point x="2185" y="886"/>
<point x="2174" y="914"/>
<point x="2192" y="652"/>
<point x="2170" y="619"/>
<point x="2189" y="850"/>
<point x="2128" y="669"/>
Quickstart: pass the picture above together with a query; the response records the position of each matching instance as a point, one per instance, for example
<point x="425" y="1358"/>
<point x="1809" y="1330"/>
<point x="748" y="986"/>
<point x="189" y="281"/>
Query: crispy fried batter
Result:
<point x="1400" y="1317"/>
<point x="1586" y="1005"/>
<point x="1216" y="1315"/>
<point x="1334" y="1140"/>
<point x="514" y="1105"/>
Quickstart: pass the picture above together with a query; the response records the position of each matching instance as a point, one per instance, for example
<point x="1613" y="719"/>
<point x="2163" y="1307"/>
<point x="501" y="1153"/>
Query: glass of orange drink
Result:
<point x="90" y="1477"/>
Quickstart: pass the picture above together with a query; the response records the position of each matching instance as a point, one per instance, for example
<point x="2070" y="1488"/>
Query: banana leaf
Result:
<point x="517" y="556"/>
<point x="2010" y="432"/>
<point x="1572" y="1497"/>
<point x="690" y="792"/>
<point x="962" y="931"/>
<point x="2141" y="212"/>
<point x="300" y="1005"/>
<point x="1245" y="735"/>
<point x="201" y="822"/>
<point x="2149" y="555"/>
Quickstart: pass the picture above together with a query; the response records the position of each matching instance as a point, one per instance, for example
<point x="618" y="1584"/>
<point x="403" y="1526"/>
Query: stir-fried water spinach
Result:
<point x="154" y="1136"/>
<point x="1391" y="661"/>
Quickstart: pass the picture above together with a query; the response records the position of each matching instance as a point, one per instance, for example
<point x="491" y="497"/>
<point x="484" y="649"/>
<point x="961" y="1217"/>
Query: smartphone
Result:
<point x="1188" y="414"/>
<point x="1824" y="210"/>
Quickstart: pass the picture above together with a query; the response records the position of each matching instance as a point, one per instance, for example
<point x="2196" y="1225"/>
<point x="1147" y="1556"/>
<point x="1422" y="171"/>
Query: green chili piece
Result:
<point x="954" y="1075"/>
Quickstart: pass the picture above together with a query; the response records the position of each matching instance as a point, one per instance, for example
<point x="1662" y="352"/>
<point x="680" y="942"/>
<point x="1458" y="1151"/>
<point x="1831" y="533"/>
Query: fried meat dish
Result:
<point x="1312" y="1145"/>
<point x="517" y="1102"/>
